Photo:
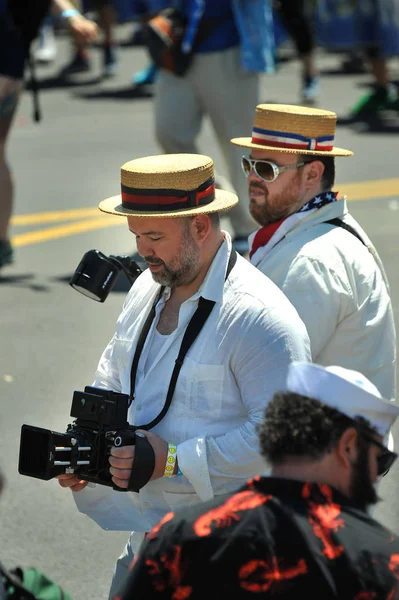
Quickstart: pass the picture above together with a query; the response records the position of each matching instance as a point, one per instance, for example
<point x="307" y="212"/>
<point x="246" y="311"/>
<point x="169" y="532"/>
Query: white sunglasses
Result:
<point x="265" y="169"/>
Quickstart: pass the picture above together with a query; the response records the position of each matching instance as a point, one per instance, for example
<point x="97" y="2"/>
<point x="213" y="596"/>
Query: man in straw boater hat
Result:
<point x="198" y="402"/>
<point x="302" y="532"/>
<point x="310" y="245"/>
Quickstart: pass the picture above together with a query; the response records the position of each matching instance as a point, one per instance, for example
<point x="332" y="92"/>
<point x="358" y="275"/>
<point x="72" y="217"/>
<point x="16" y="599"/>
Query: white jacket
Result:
<point x="340" y="291"/>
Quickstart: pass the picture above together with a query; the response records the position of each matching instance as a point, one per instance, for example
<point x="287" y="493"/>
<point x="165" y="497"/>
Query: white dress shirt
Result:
<point x="238" y="361"/>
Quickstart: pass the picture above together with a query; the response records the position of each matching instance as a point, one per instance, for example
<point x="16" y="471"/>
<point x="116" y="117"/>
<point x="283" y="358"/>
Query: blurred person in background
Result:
<point x="296" y="18"/>
<point x="19" y="25"/>
<point x="371" y="26"/>
<point x="142" y="11"/>
<point x="233" y="43"/>
<point x="302" y="532"/>
<point x="46" y="46"/>
<point x="81" y="59"/>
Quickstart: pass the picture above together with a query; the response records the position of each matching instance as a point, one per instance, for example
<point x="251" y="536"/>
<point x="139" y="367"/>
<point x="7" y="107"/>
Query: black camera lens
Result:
<point x="95" y="275"/>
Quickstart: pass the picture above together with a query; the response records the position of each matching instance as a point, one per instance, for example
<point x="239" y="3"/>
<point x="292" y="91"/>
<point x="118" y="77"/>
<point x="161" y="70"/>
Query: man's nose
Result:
<point x="252" y="176"/>
<point x="144" y="248"/>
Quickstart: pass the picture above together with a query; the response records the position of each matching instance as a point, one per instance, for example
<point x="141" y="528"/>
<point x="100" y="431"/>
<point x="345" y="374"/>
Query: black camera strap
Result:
<point x="193" y="328"/>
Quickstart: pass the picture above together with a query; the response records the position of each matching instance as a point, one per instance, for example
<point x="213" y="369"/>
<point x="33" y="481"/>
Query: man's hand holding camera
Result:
<point x="121" y="459"/>
<point x="121" y="462"/>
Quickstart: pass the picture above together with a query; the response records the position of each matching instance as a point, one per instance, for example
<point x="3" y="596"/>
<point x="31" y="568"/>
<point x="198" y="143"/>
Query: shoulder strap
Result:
<point x="340" y="223"/>
<point x="140" y="344"/>
<point x="195" y="325"/>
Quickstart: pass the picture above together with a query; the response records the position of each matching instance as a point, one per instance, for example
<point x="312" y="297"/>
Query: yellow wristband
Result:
<point x="170" y="461"/>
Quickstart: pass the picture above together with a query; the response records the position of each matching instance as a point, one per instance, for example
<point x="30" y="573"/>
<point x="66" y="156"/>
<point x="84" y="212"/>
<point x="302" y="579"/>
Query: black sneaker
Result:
<point x="79" y="64"/>
<point x="110" y="64"/>
<point x="6" y="254"/>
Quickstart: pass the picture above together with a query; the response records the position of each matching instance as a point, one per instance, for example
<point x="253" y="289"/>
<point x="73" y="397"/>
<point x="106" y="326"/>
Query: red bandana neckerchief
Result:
<point x="263" y="235"/>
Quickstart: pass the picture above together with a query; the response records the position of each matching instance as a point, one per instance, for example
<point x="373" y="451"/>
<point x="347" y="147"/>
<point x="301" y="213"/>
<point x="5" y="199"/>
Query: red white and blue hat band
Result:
<point x="282" y="139"/>
<point x="167" y="200"/>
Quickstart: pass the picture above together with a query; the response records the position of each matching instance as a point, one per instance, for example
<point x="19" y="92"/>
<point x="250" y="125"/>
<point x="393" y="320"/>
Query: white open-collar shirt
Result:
<point x="235" y="365"/>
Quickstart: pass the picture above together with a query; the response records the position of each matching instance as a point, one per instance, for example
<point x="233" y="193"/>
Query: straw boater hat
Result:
<point x="168" y="185"/>
<point x="293" y="129"/>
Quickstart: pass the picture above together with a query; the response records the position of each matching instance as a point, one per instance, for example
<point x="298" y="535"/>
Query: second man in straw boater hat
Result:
<point x="310" y="245"/>
<point x="201" y="422"/>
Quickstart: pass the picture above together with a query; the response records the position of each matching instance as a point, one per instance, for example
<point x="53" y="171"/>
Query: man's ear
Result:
<point x="202" y="226"/>
<point x="314" y="172"/>
<point x="346" y="448"/>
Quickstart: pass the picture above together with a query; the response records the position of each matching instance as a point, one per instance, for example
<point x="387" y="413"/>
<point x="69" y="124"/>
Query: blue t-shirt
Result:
<point x="224" y="34"/>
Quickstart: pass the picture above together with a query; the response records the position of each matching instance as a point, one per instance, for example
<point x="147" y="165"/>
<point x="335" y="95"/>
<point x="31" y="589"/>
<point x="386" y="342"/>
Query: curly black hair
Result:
<point x="295" y="425"/>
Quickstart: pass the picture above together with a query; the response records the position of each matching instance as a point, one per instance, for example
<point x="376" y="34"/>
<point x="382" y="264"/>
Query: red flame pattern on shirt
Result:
<point x="223" y="515"/>
<point x="324" y="519"/>
<point x="259" y="575"/>
<point x="171" y="565"/>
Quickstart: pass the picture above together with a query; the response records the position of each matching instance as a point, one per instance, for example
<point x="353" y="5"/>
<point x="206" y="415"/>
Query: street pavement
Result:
<point x="52" y="336"/>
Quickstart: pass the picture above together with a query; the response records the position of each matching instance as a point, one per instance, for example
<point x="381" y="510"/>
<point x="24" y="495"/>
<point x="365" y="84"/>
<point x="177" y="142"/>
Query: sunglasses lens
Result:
<point x="264" y="170"/>
<point x="246" y="165"/>
<point x="385" y="462"/>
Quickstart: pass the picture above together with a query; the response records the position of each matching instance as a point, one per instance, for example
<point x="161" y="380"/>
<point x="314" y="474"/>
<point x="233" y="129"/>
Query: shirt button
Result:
<point x="146" y="505"/>
<point x="139" y="407"/>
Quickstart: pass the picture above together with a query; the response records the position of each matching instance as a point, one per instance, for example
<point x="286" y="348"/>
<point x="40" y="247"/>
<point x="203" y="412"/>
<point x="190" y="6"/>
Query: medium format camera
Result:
<point x="100" y="423"/>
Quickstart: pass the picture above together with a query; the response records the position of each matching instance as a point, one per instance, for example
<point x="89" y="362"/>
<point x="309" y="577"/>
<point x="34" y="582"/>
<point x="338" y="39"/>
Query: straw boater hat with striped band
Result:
<point x="293" y="129"/>
<point x="168" y="185"/>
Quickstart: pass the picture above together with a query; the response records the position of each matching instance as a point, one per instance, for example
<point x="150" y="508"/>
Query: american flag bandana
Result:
<point x="257" y="252"/>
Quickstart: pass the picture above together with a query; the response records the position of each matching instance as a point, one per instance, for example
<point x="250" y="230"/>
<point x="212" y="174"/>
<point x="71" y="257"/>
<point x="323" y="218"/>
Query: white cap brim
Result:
<point x="349" y="392"/>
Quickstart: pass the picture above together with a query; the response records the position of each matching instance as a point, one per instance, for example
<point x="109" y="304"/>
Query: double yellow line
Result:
<point x="88" y="219"/>
<point x="84" y="219"/>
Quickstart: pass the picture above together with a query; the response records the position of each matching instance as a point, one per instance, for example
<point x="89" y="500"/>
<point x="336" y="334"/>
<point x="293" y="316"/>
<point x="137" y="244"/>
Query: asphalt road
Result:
<point x="51" y="336"/>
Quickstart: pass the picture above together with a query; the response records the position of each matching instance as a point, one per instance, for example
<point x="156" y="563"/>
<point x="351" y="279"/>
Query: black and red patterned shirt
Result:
<point x="273" y="538"/>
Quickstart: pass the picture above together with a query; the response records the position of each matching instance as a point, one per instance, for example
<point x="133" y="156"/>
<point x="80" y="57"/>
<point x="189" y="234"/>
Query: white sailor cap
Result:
<point x="349" y="392"/>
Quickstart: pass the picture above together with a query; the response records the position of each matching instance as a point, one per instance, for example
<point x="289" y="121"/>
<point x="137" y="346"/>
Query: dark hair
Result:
<point x="295" y="425"/>
<point x="328" y="177"/>
<point x="214" y="219"/>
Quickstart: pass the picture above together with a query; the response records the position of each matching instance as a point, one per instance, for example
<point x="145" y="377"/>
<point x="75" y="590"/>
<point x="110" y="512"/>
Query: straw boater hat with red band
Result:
<point x="293" y="129"/>
<point x="168" y="185"/>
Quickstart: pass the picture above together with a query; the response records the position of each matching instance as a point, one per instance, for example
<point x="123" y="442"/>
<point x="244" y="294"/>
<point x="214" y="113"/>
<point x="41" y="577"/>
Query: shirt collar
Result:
<point x="212" y="286"/>
<point x="306" y="490"/>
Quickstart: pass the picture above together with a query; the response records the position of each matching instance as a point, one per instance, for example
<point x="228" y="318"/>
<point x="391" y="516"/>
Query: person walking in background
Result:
<point x="232" y="42"/>
<point x="46" y="46"/>
<point x="297" y="20"/>
<point x="19" y="25"/>
<point x="302" y="532"/>
<point x="81" y="62"/>
<point x="201" y="421"/>
<point x="312" y="248"/>
<point x="143" y="10"/>
<point x="373" y="27"/>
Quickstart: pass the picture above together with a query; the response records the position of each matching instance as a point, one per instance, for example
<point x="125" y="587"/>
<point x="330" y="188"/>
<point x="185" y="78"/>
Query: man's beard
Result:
<point x="283" y="205"/>
<point x="361" y="490"/>
<point x="183" y="270"/>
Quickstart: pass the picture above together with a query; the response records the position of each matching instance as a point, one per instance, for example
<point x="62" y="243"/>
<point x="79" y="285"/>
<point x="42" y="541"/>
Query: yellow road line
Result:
<point x="51" y="217"/>
<point x="369" y="190"/>
<point x="43" y="235"/>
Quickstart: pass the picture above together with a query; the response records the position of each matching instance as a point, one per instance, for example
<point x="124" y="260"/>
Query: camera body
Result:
<point x="84" y="449"/>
